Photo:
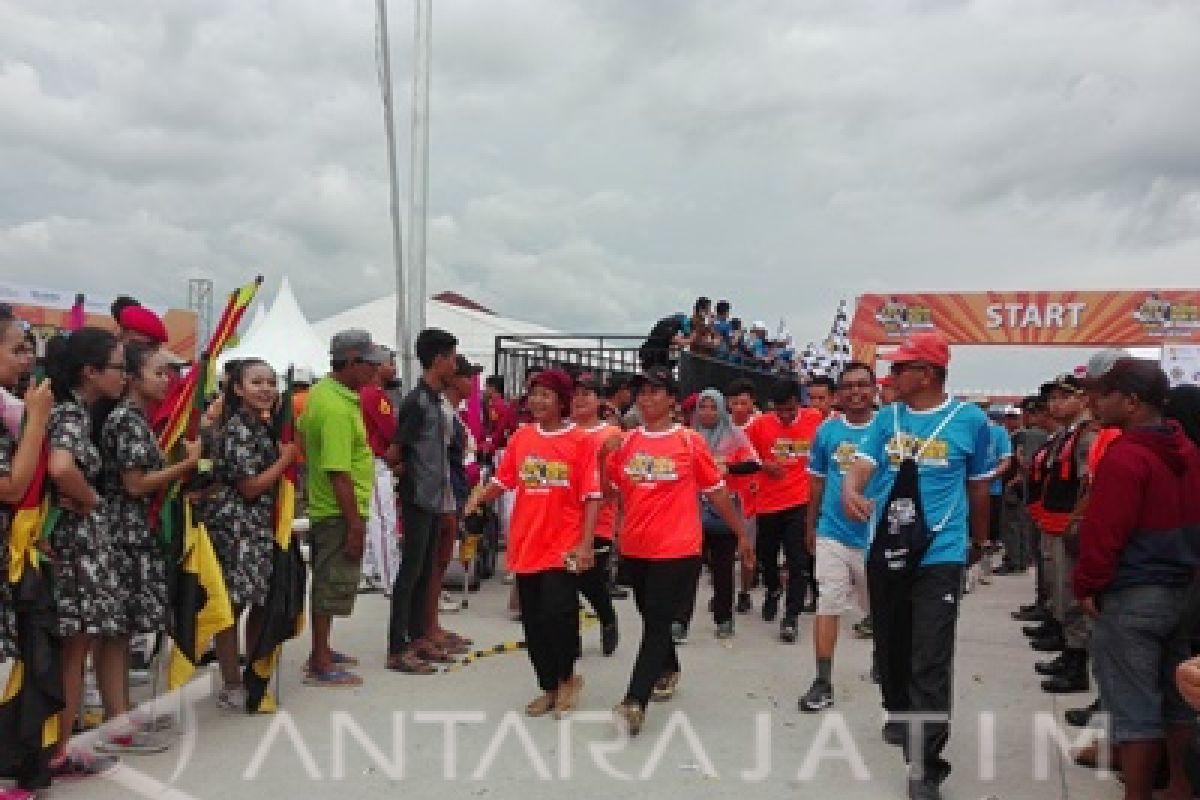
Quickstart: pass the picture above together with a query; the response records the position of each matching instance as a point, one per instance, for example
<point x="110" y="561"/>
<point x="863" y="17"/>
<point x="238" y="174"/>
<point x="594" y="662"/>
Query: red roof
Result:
<point x="456" y="299"/>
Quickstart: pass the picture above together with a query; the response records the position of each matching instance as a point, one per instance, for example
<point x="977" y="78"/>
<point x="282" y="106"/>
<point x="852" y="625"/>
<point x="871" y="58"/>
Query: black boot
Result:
<point x="1031" y="614"/>
<point x="1080" y="717"/>
<point x="1053" y="667"/>
<point x="1049" y="644"/>
<point x="1072" y="679"/>
<point x="1047" y="628"/>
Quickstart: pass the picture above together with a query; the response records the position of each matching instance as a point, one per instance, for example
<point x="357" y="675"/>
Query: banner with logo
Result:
<point x="1115" y="318"/>
<point x="1181" y="362"/>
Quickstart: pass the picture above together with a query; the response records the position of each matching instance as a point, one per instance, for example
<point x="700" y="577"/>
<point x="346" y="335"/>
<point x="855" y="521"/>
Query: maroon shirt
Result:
<point x="379" y="417"/>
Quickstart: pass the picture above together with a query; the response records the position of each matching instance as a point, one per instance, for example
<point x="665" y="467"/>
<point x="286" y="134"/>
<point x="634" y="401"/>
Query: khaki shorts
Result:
<point x="334" y="576"/>
<point x="841" y="578"/>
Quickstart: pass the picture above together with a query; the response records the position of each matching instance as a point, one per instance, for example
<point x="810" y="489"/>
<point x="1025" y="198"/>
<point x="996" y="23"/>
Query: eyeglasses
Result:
<point x="903" y="366"/>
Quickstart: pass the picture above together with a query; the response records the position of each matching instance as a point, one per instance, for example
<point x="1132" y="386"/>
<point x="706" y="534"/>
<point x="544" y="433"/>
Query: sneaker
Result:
<point x="664" y="690"/>
<point x="82" y="764"/>
<point x="91" y="698"/>
<point x="744" y="604"/>
<point x="679" y="633"/>
<point x="448" y="605"/>
<point x="725" y="630"/>
<point x="609" y="639"/>
<point x="508" y="578"/>
<point x="629" y="716"/>
<point x="770" y="606"/>
<point x="788" y="630"/>
<point x="232" y="700"/>
<point x="137" y="742"/>
<point x="894" y="733"/>
<point x="818" y="697"/>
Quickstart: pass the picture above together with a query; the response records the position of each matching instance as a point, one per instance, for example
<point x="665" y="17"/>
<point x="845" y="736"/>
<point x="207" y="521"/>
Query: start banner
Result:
<point x="1072" y="318"/>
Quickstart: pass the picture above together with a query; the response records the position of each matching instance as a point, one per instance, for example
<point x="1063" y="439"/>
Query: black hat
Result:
<point x="1066" y="382"/>
<point x="465" y="368"/>
<point x="1137" y="377"/>
<point x="656" y="376"/>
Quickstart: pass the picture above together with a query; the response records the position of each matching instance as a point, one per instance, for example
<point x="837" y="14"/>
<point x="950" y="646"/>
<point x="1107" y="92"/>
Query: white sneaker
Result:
<point x="232" y="700"/>
<point x="508" y="578"/>
<point x="91" y="697"/>
<point x="448" y="605"/>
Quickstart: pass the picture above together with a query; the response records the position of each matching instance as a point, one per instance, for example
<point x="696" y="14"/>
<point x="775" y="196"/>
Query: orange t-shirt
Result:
<point x="660" y="477"/>
<point x="552" y="475"/>
<point x="746" y="486"/>
<point x="1104" y="437"/>
<point x="788" y="446"/>
<point x="606" y="521"/>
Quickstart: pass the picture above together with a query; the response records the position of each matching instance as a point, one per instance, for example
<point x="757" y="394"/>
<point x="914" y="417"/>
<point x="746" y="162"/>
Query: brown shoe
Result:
<point x="567" y="696"/>
<point x="665" y="688"/>
<point x="629" y="716"/>
<point x="1089" y="757"/>
<point x="541" y="706"/>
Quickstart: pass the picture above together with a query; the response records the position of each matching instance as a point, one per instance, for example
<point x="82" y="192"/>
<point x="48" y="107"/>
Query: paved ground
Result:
<point x="732" y="729"/>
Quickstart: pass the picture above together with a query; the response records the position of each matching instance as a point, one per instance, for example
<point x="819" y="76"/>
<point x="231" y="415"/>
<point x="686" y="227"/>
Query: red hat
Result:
<point x="930" y="347"/>
<point x="559" y="382"/>
<point x="689" y="403"/>
<point x="140" y="319"/>
<point x="886" y="380"/>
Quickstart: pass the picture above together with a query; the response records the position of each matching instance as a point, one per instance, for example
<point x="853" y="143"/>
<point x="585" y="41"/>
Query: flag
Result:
<point x="284" y="608"/>
<point x="33" y="697"/>
<point x="831" y="356"/>
<point x="200" y="606"/>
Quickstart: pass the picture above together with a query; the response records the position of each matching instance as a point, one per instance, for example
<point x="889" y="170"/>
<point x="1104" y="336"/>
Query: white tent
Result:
<point x="476" y="330"/>
<point x="260" y="313"/>
<point x="284" y="338"/>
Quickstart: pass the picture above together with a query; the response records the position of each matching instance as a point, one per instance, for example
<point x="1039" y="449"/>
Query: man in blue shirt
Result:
<point x="1001" y="457"/>
<point x="932" y="456"/>
<point x="837" y="542"/>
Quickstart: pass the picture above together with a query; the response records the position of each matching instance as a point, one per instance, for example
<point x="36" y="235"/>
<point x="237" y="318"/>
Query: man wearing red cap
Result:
<point x="929" y="518"/>
<point x="140" y="324"/>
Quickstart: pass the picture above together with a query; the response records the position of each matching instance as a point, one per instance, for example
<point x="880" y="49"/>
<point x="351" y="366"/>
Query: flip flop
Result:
<point x="334" y="679"/>
<point x="410" y="664"/>
<point x="338" y="659"/>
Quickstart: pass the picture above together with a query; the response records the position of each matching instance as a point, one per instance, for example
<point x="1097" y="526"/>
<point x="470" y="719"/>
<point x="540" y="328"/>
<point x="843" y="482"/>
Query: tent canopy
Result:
<point x="282" y="337"/>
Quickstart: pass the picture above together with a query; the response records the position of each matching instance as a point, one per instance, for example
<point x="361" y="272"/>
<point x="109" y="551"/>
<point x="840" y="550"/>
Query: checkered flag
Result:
<point x="831" y="355"/>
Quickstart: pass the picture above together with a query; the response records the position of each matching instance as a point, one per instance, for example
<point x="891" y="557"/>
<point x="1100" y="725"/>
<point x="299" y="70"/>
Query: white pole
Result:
<point x="403" y="334"/>
<point x="422" y="61"/>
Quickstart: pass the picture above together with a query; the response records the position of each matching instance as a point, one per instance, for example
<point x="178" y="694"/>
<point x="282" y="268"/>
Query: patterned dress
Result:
<point x="85" y="584"/>
<point x="128" y="443"/>
<point x="241" y="529"/>
<point x="8" y="614"/>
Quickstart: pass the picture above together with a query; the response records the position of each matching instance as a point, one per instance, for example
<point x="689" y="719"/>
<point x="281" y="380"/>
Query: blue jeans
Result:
<point x="1136" y="646"/>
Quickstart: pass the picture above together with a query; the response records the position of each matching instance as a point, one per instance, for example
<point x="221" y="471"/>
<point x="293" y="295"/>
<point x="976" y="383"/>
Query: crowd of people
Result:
<point x="713" y="331"/>
<point x="885" y="498"/>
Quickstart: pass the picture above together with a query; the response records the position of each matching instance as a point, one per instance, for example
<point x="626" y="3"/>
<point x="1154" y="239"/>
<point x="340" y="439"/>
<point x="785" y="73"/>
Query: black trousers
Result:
<point x="550" y="617"/>
<point x="1041" y="574"/>
<point x="785" y="530"/>
<point x="593" y="585"/>
<point x="411" y="589"/>
<point x="915" y="619"/>
<point x="719" y="549"/>
<point x="657" y="586"/>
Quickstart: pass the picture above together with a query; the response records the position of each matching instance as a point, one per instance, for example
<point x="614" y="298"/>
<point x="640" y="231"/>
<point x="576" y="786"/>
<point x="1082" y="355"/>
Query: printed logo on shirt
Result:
<point x="934" y="452"/>
<point x="843" y="456"/>
<point x="790" y="449"/>
<point x="645" y="468"/>
<point x="538" y="473"/>
<point x="384" y="406"/>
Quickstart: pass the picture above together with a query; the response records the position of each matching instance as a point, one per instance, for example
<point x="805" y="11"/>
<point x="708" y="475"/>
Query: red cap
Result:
<point x="140" y="319"/>
<point x="886" y="380"/>
<point x="689" y="403"/>
<point x="930" y="347"/>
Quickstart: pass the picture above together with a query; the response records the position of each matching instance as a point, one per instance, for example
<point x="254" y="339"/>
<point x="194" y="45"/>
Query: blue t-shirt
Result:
<point x="959" y="452"/>
<point x="833" y="450"/>
<point x="1001" y="448"/>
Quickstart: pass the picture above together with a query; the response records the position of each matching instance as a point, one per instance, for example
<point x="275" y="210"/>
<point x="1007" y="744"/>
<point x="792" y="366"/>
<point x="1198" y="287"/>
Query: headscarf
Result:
<point x="723" y="439"/>
<point x="558" y="382"/>
<point x="1183" y="406"/>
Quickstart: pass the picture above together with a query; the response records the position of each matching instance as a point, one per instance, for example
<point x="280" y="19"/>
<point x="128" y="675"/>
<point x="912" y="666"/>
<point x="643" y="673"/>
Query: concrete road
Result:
<point x="732" y="730"/>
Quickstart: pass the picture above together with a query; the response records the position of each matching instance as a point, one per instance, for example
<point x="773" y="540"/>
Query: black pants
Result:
<point x="593" y="585"/>
<point x="719" y="548"/>
<point x="411" y="590"/>
<point x="915" y="618"/>
<point x="550" y="617"/>
<point x="785" y="529"/>
<point x="657" y="586"/>
<point x="995" y="502"/>
<point x="1042" y="575"/>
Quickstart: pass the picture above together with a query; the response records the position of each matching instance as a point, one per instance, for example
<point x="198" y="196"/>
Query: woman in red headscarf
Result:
<point x="550" y="466"/>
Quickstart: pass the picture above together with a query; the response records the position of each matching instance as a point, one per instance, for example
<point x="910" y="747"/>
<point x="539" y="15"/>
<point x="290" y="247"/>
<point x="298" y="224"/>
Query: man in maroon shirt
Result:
<point x="381" y="557"/>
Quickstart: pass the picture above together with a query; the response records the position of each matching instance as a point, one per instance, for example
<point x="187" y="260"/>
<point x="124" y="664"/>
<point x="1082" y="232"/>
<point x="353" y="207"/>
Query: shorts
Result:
<point x="841" y="578"/>
<point x="334" y="575"/>
<point x="1136" y="647"/>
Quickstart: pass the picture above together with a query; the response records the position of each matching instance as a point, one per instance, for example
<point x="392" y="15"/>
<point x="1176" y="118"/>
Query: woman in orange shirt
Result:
<point x="550" y="466"/>
<point x="659" y="470"/>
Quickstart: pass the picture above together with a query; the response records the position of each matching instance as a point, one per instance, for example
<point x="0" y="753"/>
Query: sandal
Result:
<point x="334" y="679"/>
<point x="409" y="663"/>
<point x="427" y="651"/>
<point x="338" y="660"/>
<point x="541" y="706"/>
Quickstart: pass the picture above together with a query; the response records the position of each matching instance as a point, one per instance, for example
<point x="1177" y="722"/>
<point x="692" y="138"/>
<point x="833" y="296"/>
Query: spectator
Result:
<point x="722" y="325"/>
<point x="426" y="494"/>
<point x="704" y="336"/>
<point x="381" y="556"/>
<point x="820" y="395"/>
<point x="340" y="479"/>
<point x="667" y="333"/>
<point x="499" y="417"/>
<point x="1136" y="563"/>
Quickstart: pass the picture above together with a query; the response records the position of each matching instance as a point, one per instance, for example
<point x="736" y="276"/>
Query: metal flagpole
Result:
<point x="422" y="60"/>
<point x="384" y="61"/>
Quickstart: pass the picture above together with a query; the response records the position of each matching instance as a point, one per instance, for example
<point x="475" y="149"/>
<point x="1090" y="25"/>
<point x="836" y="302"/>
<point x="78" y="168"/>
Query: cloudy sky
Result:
<point x="596" y="164"/>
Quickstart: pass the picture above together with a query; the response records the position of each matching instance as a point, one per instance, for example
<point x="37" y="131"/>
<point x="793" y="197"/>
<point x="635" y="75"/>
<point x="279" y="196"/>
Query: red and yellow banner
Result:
<point x="1147" y="317"/>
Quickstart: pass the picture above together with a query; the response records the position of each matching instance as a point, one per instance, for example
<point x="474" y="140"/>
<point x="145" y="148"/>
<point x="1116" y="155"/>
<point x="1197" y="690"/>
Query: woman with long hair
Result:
<point x="550" y="466"/>
<point x="248" y="463"/>
<point x="135" y="471"/>
<point x="87" y="372"/>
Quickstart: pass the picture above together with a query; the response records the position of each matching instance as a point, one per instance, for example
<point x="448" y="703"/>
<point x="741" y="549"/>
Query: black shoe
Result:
<point x="1031" y="614"/>
<point x="788" y="630"/>
<point x="894" y="733"/>
<point x="618" y="592"/>
<point x="1040" y="631"/>
<point x="1049" y="644"/>
<point x="818" y="697"/>
<point x="608" y="639"/>
<point x="1053" y="667"/>
<point x="770" y="606"/>
<point x="924" y="790"/>
<point x="1080" y="717"/>
<point x="744" y="604"/>
<point x="1073" y="678"/>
